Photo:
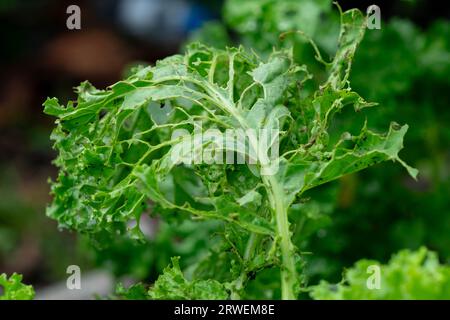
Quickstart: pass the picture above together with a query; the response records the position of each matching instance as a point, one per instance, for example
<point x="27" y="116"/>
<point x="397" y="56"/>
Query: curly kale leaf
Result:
<point x="121" y="153"/>
<point x="172" y="285"/>
<point x="12" y="288"/>
<point x="408" y="275"/>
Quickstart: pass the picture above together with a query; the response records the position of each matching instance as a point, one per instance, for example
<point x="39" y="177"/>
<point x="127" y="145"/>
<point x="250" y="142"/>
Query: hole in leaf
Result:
<point x="102" y="114"/>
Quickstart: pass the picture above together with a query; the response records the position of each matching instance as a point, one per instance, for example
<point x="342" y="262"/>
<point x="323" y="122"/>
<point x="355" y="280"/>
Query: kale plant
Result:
<point x="119" y="157"/>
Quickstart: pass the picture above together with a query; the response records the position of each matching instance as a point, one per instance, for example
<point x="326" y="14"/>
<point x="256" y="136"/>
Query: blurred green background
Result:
<point x="405" y="67"/>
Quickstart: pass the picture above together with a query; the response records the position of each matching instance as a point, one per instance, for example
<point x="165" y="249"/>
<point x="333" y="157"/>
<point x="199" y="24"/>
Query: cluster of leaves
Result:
<point x="172" y="284"/>
<point x="409" y="275"/>
<point x="146" y="259"/>
<point x="12" y="288"/>
<point x="119" y="158"/>
<point x="403" y="68"/>
<point x="399" y="66"/>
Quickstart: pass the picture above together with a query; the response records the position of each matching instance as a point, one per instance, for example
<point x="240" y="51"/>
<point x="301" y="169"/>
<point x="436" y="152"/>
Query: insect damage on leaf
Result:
<point x="119" y="156"/>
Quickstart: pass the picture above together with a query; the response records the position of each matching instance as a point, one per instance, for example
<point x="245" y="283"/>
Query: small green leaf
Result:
<point x="172" y="285"/>
<point x="12" y="288"/>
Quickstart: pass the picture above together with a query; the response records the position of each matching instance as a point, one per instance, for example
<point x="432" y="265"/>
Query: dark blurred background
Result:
<point x="40" y="57"/>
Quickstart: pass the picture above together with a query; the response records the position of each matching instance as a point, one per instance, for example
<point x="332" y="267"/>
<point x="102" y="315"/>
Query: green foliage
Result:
<point x="399" y="66"/>
<point x="403" y="68"/>
<point x="134" y="292"/>
<point x="408" y="275"/>
<point x="146" y="259"/>
<point x="118" y="158"/>
<point x="172" y="285"/>
<point x="12" y="288"/>
<point x="259" y="23"/>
